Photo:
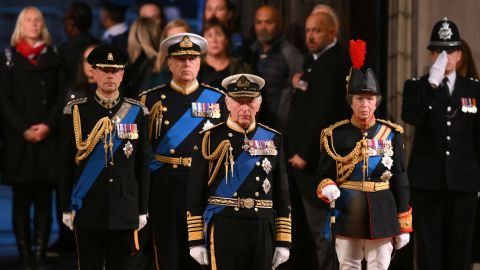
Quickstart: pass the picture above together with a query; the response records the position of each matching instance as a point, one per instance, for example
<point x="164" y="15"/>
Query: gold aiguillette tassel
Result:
<point x="231" y="159"/>
<point x="226" y="171"/>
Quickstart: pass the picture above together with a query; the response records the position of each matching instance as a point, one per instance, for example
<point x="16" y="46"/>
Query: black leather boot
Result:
<point x="22" y="235"/>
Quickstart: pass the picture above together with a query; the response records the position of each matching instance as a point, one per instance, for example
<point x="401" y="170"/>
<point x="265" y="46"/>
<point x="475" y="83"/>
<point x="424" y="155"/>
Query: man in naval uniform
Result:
<point x="362" y="174"/>
<point x="238" y="200"/>
<point x="179" y="111"/>
<point x="444" y="165"/>
<point x="104" y="173"/>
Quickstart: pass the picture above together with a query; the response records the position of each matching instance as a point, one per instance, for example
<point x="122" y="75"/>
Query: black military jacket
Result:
<point x="175" y="103"/>
<point x="120" y="192"/>
<point x="446" y="146"/>
<point x="368" y="215"/>
<point x="252" y="187"/>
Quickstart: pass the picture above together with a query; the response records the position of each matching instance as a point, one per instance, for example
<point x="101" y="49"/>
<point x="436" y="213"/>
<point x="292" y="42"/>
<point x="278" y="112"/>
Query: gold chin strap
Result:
<point x="345" y="164"/>
<point x="102" y="130"/>
<point x="156" y="116"/>
<point x="224" y="151"/>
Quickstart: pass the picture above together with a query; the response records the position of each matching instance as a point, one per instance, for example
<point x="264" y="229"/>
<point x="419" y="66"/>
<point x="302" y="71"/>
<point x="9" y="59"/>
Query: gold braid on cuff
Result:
<point x="405" y="220"/>
<point x="325" y="182"/>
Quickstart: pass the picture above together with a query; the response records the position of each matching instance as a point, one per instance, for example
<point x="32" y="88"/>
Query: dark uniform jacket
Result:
<point x="252" y="187"/>
<point x="120" y="192"/>
<point x="174" y="105"/>
<point x="30" y="94"/>
<point x="446" y="146"/>
<point x="322" y="104"/>
<point x="367" y="215"/>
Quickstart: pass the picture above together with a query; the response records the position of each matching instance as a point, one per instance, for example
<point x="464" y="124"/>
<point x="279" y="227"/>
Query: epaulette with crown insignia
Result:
<point x="152" y="89"/>
<point x="269" y="128"/>
<point x="212" y="87"/>
<point x="212" y="127"/>
<point x="68" y="108"/>
<point x="136" y="102"/>
<point x="397" y="127"/>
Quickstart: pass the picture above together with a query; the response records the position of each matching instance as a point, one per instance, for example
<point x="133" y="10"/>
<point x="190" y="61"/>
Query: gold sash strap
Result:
<point x="240" y="202"/>
<point x="366" y="186"/>
<point x="182" y="161"/>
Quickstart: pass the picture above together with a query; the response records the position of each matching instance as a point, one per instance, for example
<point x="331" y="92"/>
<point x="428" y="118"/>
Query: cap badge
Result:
<point x="186" y="42"/>
<point x="445" y="32"/>
<point x="242" y="82"/>
<point x="110" y="57"/>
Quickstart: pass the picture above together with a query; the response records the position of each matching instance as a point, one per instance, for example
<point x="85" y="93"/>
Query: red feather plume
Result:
<point x="357" y="51"/>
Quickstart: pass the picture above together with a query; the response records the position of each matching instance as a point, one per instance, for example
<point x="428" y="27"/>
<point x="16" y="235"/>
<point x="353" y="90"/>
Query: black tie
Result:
<point x="445" y="89"/>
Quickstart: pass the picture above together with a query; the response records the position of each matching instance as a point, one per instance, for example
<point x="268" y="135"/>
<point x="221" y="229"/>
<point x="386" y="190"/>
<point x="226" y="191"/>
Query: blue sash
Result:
<point x="96" y="163"/>
<point x="182" y="128"/>
<point x="357" y="174"/>
<point x="244" y="165"/>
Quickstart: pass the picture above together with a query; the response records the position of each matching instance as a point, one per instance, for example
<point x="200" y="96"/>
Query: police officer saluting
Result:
<point x="104" y="170"/>
<point x="238" y="190"/>
<point x="362" y="168"/>
<point x="444" y="164"/>
<point x="179" y="111"/>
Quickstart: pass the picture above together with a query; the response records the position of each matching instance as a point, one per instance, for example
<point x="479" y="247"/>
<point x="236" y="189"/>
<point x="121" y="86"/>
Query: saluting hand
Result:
<point x="437" y="70"/>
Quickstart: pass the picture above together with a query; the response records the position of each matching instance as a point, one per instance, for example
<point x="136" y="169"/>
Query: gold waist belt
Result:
<point x="366" y="186"/>
<point x="183" y="161"/>
<point x="240" y="202"/>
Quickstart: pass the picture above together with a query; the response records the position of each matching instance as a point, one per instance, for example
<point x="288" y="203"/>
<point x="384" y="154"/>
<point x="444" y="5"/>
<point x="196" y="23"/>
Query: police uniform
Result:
<point x="238" y="201"/>
<point x="104" y="170"/>
<point x="177" y="115"/>
<point x="445" y="160"/>
<point x="366" y="162"/>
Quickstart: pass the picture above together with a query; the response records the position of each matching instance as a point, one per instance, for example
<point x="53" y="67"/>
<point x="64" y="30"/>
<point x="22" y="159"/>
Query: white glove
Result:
<point x="199" y="253"/>
<point x="401" y="240"/>
<point x="67" y="219"/>
<point x="142" y="221"/>
<point x="437" y="70"/>
<point x="280" y="256"/>
<point x="331" y="192"/>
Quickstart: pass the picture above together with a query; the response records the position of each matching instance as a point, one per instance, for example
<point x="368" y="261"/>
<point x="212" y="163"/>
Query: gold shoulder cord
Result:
<point x="224" y="150"/>
<point x="345" y="164"/>
<point x="156" y="116"/>
<point x="102" y="130"/>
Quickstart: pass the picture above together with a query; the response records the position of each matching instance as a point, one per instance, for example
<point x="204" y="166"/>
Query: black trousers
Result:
<point x="98" y="248"/>
<point x="168" y="219"/>
<point x="443" y="224"/>
<point x="241" y="244"/>
<point x="38" y="195"/>
<point x="310" y="250"/>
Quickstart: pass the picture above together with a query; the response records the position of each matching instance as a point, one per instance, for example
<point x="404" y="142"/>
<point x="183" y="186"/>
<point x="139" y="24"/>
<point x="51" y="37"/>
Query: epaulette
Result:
<point x="269" y="128"/>
<point x="68" y="108"/>
<point x="136" y="102"/>
<point x="397" y="127"/>
<point x="212" y="127"/>
<point x="212" y="87"/>
<point x="152" y="89"/>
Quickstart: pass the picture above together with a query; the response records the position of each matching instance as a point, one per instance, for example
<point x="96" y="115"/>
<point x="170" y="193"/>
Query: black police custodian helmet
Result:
<point x="445" y="36"/>
<point x="243" y="86"/>
<point x="357" y="81"/>
<point x="105" y="56"/>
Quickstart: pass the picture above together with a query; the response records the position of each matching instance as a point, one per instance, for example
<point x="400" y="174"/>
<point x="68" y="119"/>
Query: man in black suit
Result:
<point x="445" y="160"/>
<point x="104" y="194"/>
<point x="319" y="101"/>
<point x="112" y="18"/>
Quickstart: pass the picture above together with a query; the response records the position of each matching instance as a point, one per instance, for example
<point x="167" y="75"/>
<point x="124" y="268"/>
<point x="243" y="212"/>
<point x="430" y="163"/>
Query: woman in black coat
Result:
<point x="30" y="78"/>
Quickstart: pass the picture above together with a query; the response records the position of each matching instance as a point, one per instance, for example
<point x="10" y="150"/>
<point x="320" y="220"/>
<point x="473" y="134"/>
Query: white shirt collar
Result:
<point x="115" y="30"/>
<point x="317" y="55"/>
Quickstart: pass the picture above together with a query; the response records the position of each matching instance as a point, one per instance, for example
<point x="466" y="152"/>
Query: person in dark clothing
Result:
<point x="445" y="160"/>
<point x="318" y="101"/>
<point x="31" y="75"/>
<point x="276" y="61"/>
<point x="77" y="23"/>
<point x="143" y="45"/>
<point x="218" y="62"/>
<point x="112" y="18"/>
<point x="105" y="178"/>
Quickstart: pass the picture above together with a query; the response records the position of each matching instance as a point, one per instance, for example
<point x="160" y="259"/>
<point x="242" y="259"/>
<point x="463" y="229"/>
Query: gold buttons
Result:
<point x="163" y="96"/>
<point x="230" y="134"/>
<point x="235" y="194"/>
<point x="256" y="194"/>
<point x="164" y="109"/>
<point x="172" y="151"/>
<point x="258" y="163"/>
<point x="175" y="166"/>
<point x="166" y="122"/>
<point x="257" y="178"/>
